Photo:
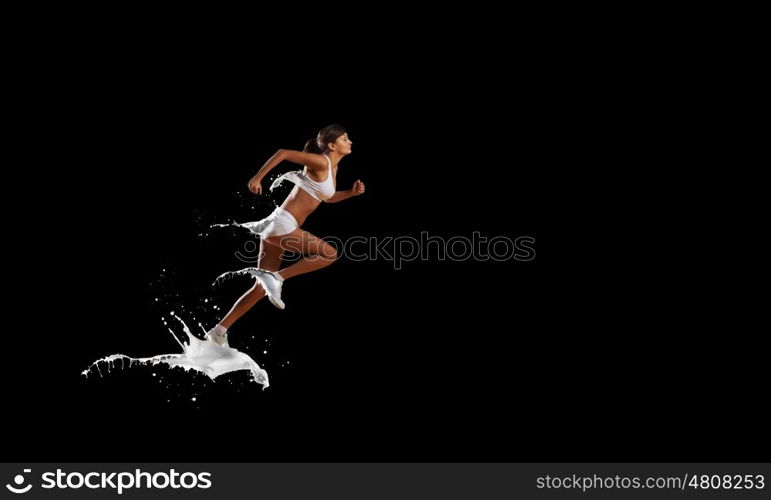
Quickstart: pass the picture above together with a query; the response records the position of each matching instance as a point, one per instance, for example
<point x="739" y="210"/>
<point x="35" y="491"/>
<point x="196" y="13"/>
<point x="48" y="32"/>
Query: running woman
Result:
<point x="282" y="229"/>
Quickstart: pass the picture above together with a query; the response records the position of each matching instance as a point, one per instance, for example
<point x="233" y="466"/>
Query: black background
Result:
<point x="599" y="349"/>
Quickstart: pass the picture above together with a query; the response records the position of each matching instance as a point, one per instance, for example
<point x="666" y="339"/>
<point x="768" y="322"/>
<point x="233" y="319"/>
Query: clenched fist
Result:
<point x="358" y="188"/>
<point x="255" y="186"/>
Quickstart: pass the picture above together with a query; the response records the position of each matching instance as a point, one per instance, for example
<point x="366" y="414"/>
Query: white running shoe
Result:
<point x="217" y="338"/>
<point x="271" y="282"/>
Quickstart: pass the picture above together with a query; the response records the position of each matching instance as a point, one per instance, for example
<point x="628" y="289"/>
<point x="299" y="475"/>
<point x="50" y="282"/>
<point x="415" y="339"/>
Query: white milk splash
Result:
<point x="259" y="227"/>
<point x="256" y="227"/>
<point x="201" y="355"/>
<point x="254" y="272"/>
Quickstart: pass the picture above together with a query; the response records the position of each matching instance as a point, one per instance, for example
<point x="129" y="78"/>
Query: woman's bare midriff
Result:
<point x="300" y="204"/>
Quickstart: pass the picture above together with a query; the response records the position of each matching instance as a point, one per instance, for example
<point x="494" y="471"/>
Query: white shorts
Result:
<point x="278" y="223"/>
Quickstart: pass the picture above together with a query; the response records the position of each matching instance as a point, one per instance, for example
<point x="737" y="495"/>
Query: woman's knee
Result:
<point x="328" y="253"/>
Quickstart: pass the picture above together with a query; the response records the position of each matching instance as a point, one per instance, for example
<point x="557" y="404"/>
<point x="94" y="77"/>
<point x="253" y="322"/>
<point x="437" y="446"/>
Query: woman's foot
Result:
<point x="271" y="282"/>
<point x="218" y="335"/>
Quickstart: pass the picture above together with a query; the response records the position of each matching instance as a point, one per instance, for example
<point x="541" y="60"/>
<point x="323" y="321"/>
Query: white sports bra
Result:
<point x="319" y="190"/>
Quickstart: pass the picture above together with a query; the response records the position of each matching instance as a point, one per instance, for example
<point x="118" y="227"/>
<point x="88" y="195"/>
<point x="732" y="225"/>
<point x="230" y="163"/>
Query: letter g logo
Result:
<point x="19" y="480"/>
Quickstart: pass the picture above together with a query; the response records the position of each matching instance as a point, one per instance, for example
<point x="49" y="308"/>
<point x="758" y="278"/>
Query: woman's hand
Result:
<point x="358" y="188"/>
<point x="255" y="185"/>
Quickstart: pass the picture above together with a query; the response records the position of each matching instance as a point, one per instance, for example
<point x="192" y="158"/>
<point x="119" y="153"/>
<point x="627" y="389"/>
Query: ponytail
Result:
<point x="312" y="146"/>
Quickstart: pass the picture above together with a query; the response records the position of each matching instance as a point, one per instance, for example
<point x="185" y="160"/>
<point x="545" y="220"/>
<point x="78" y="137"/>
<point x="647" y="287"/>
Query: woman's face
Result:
<point x="343" y="144"/>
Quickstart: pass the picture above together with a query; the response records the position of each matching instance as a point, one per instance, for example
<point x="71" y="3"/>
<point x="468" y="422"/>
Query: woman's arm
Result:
<point x="312" y="160"/>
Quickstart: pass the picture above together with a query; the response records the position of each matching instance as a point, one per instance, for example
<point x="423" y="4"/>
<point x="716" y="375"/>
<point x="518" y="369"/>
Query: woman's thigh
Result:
<point x="305" y="243"/>
<point x="270" y="256"/>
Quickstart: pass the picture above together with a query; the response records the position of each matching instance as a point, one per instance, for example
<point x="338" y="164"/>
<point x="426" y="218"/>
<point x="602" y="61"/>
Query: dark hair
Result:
<point x="328" y="134"/>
